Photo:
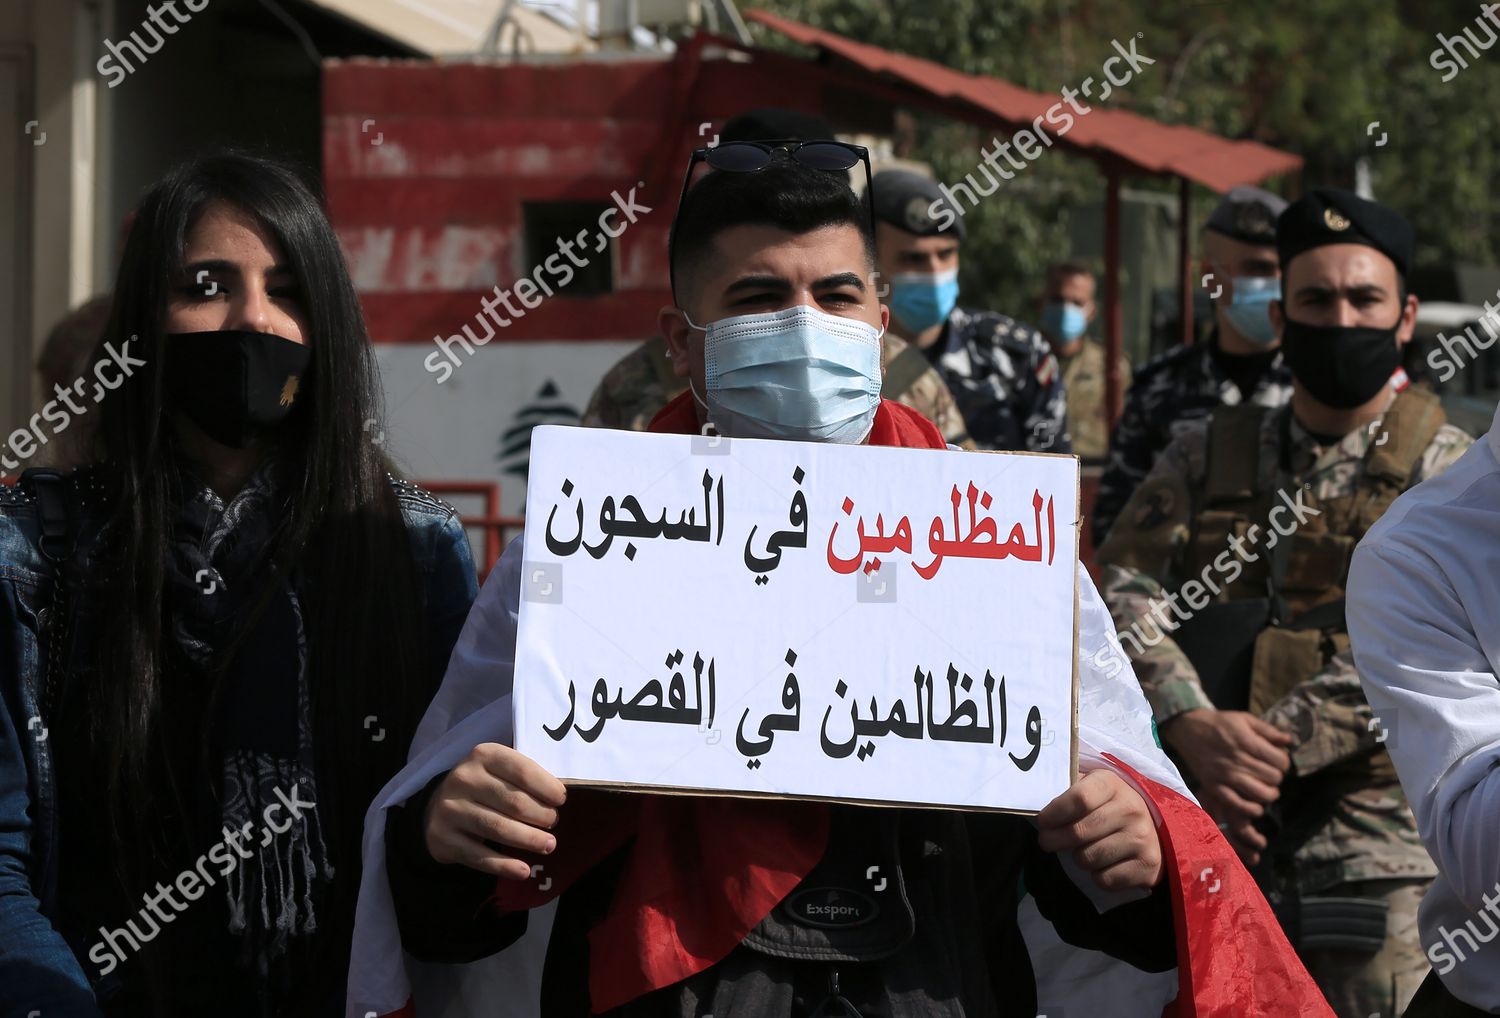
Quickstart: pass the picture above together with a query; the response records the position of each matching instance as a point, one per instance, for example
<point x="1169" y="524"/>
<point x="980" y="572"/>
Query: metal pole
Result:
<point x="1185" y="255"/>
<point x="1113" y="313"/>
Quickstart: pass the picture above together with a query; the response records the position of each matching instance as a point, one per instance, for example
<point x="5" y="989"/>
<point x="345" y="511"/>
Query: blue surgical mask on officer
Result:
<point x="1247" y="311"/>
<point x="923" y="299"/>
<point x="1063" y="320"/>
<point x="797" y="374"/>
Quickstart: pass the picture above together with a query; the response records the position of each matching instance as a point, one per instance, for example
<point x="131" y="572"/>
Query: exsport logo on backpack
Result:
<point x="830" y="908"/>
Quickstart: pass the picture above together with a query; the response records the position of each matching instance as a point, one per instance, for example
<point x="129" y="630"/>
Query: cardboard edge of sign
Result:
<point x="720" y="793"/>
<point x="1077" y="560"/>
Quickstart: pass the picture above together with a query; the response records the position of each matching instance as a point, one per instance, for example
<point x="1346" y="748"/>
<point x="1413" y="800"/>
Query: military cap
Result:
<point x="904" y="198"/>
<point x="1247" y="214"/>
<point x="1329" y="215"/>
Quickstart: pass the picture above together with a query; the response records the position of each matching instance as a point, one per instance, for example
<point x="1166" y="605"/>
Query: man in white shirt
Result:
<point x="1424" y="619"/>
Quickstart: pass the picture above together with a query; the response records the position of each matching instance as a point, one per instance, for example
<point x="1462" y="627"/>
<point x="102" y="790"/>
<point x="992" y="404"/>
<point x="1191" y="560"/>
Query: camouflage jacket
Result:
<point x="1183" y="384"/>
<point x="1084" y="382"/>
<point x="1339" y="831"/>
<point x="634" y="389"/>
<point x="1006" y="381"/>
<point x="642" y="382"/>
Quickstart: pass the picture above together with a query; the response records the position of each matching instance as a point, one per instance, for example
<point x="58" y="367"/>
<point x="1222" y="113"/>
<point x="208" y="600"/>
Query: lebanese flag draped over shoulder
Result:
<point x="669" y="922"/>
<point x="704" y="871"/>
<point x="1233" y="961"/>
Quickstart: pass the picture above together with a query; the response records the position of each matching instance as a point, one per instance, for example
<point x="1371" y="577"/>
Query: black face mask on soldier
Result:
<point x="1342" y="366"/>
<point x="234" y="384"/>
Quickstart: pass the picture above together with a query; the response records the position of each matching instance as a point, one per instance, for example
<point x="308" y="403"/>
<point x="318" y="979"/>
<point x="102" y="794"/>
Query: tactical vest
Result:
<point x="1298" y="576"/>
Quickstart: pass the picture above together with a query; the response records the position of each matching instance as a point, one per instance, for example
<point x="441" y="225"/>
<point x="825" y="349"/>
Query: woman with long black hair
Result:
<point x="216" y="639"/>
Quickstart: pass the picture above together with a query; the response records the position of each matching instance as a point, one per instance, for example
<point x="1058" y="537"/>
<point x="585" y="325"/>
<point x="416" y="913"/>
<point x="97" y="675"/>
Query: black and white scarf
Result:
<point x="218" y="565"/>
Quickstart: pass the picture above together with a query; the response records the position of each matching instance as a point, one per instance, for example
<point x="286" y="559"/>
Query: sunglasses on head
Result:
<point x="752" y="156"/>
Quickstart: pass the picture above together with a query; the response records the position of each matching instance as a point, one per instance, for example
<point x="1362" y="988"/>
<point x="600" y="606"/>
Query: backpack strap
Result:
<point x="903" y="371"/>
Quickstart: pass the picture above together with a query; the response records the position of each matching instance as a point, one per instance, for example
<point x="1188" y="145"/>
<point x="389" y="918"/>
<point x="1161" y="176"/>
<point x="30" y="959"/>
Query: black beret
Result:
<point x="1328" y="215"/>
<point x="903" y="199"/>
<point x="1247" y="214"/>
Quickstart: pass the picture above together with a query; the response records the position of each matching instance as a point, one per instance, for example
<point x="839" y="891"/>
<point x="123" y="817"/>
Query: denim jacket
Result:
<point x="38" y="972"/>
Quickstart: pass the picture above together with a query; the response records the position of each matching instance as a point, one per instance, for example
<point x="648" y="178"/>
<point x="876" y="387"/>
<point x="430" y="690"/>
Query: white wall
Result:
<point x="453" y="431"/>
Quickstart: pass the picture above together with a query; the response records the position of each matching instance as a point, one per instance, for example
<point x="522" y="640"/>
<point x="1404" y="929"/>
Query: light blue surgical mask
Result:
<point x="1247" y="311"/>
<point x="923" y="299"/>
<point x="1063" y="321"/>
<point x="796" y="374"/>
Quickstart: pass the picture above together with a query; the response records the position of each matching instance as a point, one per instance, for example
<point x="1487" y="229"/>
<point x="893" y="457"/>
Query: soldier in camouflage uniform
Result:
<point x="1250" y="518"/>
<point x="1002" y="373"/>
<point x="1067" y="310"/>
<point x="1236" y="363"/>
<point x="631" y="392"/>
<point x="642" y="382"/>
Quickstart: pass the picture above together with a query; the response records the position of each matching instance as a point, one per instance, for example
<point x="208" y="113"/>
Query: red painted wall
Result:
<point x="426" y="166"/>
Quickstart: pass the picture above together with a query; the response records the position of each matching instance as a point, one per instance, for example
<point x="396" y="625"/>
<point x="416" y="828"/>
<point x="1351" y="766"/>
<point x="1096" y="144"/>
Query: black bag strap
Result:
<point x="58" y="537"/>
<point x="1329" y="615"/>
<point x="49" y="489"/>
<point x="1342" y="924"/>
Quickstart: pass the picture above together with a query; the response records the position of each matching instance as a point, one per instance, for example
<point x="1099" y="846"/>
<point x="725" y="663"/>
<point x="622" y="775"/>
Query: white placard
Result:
<point x="749" y="617"/>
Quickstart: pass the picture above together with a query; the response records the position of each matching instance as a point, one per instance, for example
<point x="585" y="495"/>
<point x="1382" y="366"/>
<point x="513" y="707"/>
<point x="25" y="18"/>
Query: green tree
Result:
<point x="1309" y="77"/>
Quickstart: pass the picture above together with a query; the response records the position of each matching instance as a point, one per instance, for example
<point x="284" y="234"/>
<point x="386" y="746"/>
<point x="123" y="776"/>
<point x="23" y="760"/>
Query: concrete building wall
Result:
<point x="53" y="120"/>
<point x="112" y="102"/>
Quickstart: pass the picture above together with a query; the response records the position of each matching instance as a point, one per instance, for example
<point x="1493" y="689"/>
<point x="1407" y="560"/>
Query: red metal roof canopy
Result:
<point x="1121" y="143"/>
<point x="1136" y="144"/>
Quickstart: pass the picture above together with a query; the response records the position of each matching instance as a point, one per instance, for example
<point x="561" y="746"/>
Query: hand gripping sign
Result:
<point x="854" y="623"/>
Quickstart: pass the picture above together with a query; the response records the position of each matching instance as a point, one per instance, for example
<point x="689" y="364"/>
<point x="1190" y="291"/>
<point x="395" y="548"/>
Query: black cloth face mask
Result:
<point x="1342" y="366"/>
<point x="234" y="384"/>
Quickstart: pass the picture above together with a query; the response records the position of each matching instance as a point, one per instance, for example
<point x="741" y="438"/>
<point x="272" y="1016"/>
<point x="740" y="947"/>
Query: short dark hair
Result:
<point x="1059" y="271"/>
<point x="785" y="194"/>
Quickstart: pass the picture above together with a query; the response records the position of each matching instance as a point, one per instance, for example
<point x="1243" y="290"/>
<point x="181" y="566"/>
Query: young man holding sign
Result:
<point x="678" y="905"/>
